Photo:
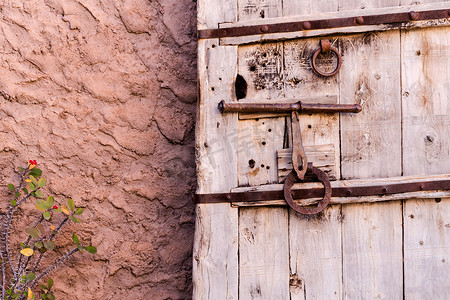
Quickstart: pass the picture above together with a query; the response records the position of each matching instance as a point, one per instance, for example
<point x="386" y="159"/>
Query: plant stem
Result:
<point x="52" y="267"/>
<point x="3" y="276"/>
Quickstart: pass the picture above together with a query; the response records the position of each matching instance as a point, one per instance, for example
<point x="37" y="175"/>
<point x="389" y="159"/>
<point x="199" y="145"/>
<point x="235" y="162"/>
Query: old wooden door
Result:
<point x="393" y="246"/>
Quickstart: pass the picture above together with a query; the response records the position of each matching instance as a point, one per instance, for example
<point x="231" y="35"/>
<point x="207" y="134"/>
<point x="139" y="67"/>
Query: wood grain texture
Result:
<point x="259" y="9"/>
<point x="315" y="255"/>
<point x="210" y="13"/>
<point x="426" y="107"/>
<point x="313" y="251"/>
<point x="322" y="157"/>
<point x="263" y="253"/>
<point x="367" y="4"/>
<point x="372" y="251"/>
<point x="308" y="7"/>
<point x="427" y="249"/>
<point x="370" y="73"/>
<point x="215" y="264"/>
<point x="371" y="148"/>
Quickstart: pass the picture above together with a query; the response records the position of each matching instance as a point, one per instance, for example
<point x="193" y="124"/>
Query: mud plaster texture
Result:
<point x="102" y="93"/>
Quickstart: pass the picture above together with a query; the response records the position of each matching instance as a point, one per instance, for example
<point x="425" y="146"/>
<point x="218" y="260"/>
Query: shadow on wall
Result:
<point x="103" y="95"/>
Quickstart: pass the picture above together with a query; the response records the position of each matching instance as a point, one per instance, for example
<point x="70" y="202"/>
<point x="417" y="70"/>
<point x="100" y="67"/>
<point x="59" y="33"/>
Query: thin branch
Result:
<point x="52" y="267"/>
<point x="26" y="243"/>
<point x="3" y="276"/>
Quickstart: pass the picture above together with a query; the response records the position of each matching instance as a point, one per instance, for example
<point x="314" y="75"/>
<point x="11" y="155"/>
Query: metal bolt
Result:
<point x="228" y="197"/>
<point x="413" y="15"/>
<point x="264" y="28"/>
<point x="359" y="20"/>
<point x="384" y="190"/>
<point x="306" y="25"/>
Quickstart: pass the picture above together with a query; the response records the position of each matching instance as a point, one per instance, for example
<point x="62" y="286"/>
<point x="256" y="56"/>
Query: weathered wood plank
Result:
<point x="426" y="107"/>
<point x="318" y="249"/>
<point x="263" y="253"/>
<point x="372" y="251"/>
<point x="263" y="232"/>
<point x="321" y="156"/>
<point x="306" y="8"/>
<point x="315" y="255"/>
<point x="371" y="148"/>
<point x="259" y="9"/>
<point x="427" y="249"/>
<point x="367" y="4"/>
<point x="215" y="264"/>
<point x="335" y="31"/>
<point x="211" y="12"/>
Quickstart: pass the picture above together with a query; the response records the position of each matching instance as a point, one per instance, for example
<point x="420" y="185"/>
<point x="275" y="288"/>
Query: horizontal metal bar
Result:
<point x="307" y="108"/>
<point x="358" y="191"/>
<point x="380" y="19"/>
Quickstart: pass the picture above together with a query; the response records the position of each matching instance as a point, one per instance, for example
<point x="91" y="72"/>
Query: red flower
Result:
<point x="55" y="207"/>
<point x="32" y="162"/>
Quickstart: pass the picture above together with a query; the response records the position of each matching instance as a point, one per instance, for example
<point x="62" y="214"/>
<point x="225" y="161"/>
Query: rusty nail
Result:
<point x="307" y="25"/>
<point x="264" y="28"/>
<point x="422" y="186"/>
<point x="384" y="190"/>
<point x="359" y="20"/>
<point x="413" y="15"/>
<point x="349" y="192"/>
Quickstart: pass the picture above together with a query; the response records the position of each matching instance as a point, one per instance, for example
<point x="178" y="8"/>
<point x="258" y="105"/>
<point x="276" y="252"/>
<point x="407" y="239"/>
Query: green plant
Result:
<point x="20" y="277"/>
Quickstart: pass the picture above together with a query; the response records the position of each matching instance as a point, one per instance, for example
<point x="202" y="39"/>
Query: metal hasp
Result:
<point x="325" y="46"/>
<point x="354" y="21"/>
<point x="299" y="160"/>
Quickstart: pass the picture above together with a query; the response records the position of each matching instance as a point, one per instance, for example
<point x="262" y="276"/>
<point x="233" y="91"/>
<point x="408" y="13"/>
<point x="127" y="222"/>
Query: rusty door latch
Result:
<point x="299" y="160"/>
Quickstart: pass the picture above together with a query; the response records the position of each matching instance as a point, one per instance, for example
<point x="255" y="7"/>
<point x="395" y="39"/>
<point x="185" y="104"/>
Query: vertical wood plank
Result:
<point x="371" y="148"/>
<point x="263" y="253"/>
<point x="372" y="248"/>
<point x="427" y="249"/>
<point x="315" y="242"/>
<point x="215" y="264"/>
<point x="315" y="255"/>
<point x="263" y="232"/>
<point x="426" y="107"/>
<point x="426" y="123"/>
<point x="370" y="76"/>
<point x="307" y="7"/>
<point x="259" y="9"/>
<point x="210" y="13"/>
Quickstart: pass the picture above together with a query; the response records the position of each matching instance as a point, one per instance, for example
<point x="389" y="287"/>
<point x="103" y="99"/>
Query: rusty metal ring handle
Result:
<point x="321" y="176"/>
<point x="325" y="46"/>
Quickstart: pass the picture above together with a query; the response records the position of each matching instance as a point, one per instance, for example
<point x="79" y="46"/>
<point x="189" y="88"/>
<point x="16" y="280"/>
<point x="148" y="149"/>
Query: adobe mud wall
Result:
<point x="102" y="94"/>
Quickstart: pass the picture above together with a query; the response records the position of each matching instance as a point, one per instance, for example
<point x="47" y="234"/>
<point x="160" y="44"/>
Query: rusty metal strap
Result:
<point x="358" y="191"/>
<point x="393" y="18"/>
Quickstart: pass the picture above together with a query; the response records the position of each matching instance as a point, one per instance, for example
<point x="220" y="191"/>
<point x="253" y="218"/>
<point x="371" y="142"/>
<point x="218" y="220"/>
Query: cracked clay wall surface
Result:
<point x="102" y="94"/>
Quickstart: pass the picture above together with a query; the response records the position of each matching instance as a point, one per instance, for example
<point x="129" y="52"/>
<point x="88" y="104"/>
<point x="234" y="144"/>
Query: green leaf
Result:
<point x="47" y="215"/>
<point x="51" y="296"/>
<point x="22" y="245"/>
<point x="75" y="239"/>
<point x="50" y="201"/>
<point x="71" y="204"/>
<point x="44" y="287"/>
<point x="79" y="211"/>
<point x="39" y="194"/>
<point x="39" y="244"/>
<point x="40" y="228"/>
<point x="13" y="202"/>
<point x="73" y="219"/>
<point x="21" y="169"/>
<point x="11" y="187"/>
<point x="17" y="195"/>
<point x="42" y="182"/>
<point x="31" y="276"/>
<point x="32" y="186"/>
<point x="33" y="180"/>
<point x="36" y="172"/>
<point x="25" y="190"/>
<point x="80" y="247"/>
<point x="50" y="283"/>
<point x="49" y="245"/>
<point x="91" y="249"/>
<point x="44" y="297"/>
<point x="43" y="204"/>
<point x="33" y="232"/>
